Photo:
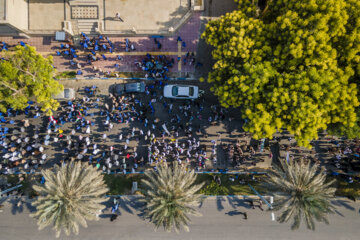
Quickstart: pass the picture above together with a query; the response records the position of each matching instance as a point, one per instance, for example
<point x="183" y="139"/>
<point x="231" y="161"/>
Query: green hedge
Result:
<point x="122" y="184"/>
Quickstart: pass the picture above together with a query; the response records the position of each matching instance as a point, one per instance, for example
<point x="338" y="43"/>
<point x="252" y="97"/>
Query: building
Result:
<point x="28" y="18"/>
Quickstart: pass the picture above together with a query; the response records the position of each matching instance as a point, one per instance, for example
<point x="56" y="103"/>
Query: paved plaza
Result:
<point x="156" y="15"/>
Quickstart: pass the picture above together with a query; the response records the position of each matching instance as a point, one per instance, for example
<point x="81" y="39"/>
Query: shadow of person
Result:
<point x="234" y="213"/>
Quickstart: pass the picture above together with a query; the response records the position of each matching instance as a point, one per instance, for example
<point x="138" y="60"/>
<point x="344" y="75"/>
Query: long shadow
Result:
<point x="231" y="202"/>
<point x="339" y="213"/>
<point x="15" y="208"/>
<point x="30" y="207"/>
<point x="107" y="215"/>
<point x="215" y="8"/>
<point x="237" y="202"/>
<point x="219" y="204"/>
<point x="18" y="206"/>
<point x="275" y="149"/>
<point x="343" y="203"/>
<point x="176" y="16"/>
<point x="125" y="205"/>
<point x="201" y="202"/>
<point x="234" y="213"/>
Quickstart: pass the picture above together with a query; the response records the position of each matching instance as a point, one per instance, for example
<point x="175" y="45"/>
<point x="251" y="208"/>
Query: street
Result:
<point x="221" y="220"/>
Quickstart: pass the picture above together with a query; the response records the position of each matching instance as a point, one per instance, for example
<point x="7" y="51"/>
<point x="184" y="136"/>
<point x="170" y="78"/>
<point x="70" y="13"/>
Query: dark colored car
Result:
<point x="137" y="87"/>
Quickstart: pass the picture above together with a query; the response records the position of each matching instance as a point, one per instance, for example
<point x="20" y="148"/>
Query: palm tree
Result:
<point x="302" y="192"/>
<point x="169" y="194"/>
<point x="71" y="195"/>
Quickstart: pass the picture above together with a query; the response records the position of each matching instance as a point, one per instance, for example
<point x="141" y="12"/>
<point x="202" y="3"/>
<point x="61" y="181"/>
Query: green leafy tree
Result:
<point x="169" y="196"/>
<point x="72" y="194"/>
<point x="26" y="75"/>
<point x="301" y="193"/>
<point x="295" y="66"/>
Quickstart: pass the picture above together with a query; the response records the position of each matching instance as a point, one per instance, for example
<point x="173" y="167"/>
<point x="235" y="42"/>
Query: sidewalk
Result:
<point x="189" y="33"/>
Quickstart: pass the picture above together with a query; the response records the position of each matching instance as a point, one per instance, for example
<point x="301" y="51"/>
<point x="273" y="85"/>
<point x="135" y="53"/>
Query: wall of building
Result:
<point x="17" y="13"/>
<point x="6" y="29"/>
<point x="2" y="10"/>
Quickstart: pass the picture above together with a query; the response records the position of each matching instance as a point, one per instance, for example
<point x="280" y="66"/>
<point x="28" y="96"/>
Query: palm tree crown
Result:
<point x="301" y="192"/>
<point x="71" y="195"/>
<point x="169" y="195"/>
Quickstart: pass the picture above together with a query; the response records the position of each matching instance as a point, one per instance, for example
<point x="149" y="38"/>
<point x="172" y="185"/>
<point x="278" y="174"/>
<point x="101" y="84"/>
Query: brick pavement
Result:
<point x="189" y="33"/>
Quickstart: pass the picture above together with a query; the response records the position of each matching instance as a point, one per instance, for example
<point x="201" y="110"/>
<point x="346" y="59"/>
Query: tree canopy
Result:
<point x="72" y="194"/>
<point x="26" y="75"/>
<point x="294" y="65"/>
<point x="169" y="195"/>
<point x="302" y="192"/>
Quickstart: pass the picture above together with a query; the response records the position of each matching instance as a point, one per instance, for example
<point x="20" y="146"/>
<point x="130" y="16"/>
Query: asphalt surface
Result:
<point x="221" y="220"/>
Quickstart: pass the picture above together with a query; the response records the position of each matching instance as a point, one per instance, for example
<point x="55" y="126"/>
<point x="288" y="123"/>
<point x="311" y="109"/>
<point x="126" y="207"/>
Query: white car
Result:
<point x="181" y="91"/>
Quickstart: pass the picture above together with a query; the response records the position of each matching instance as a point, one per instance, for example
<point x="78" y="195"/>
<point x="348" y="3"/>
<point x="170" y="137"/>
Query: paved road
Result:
<point x="219" y="221"/>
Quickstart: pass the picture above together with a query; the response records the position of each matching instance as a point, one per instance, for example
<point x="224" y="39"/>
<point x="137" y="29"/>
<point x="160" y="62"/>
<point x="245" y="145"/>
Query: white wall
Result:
<point x="17" y="13"/>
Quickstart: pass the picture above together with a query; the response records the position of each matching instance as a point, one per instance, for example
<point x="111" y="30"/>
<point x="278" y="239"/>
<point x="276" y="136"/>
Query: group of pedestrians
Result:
<point x="97" y="49"/>
<point x="100" y="131"/>
<point x="155" y="66"/>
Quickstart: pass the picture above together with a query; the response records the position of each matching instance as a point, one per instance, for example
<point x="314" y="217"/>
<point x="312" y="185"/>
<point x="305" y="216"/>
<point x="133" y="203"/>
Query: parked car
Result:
<point x="181" y="91"/>
<point x="68" y="93"/>
<point x="120" y="89"/>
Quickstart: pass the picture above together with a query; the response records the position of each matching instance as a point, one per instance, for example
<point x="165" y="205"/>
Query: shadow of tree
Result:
<point x="219" y="203"/>
<point x="343" y="204"/>
<point x="176" y="17"/>
<point x="18" y="205"/>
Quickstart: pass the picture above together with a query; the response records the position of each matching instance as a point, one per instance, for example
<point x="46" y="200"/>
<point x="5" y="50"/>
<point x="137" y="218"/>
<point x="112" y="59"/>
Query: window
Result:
<point x="175" y="91"/>
<point x="191" y="91"/>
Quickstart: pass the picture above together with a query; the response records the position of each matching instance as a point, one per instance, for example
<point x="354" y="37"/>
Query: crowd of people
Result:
<point x="238" y="154"/>
<point x="155" y="66"/>
<point x="100" y="131"/>
<point x="96" y="48"/>
<point x="30" y="140"/>
<point x="345" y="155"/>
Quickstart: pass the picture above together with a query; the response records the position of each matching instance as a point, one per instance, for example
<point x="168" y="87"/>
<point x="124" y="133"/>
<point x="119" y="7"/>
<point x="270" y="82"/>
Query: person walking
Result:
<point x="118" y="17"/>
<point x="260" y="205"/>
